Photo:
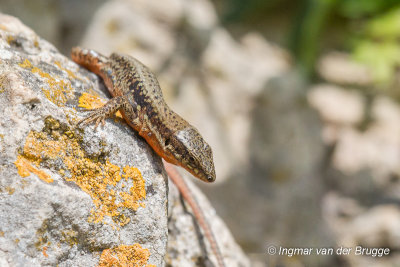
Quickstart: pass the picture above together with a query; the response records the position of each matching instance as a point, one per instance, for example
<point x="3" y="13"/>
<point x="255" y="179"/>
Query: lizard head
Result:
<point x="193" y="153"/>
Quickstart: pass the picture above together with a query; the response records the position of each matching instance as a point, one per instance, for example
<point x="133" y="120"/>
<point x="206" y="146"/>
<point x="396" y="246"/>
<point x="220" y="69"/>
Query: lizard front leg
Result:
<point x="99" y="115"/>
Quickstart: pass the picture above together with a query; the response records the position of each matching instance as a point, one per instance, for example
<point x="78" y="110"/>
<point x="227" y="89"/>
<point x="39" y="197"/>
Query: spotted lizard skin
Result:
<point x="137" y="94"/>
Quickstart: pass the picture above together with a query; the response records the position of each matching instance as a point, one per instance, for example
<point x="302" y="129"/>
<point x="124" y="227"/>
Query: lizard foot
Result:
<point x="99" y="115"/>
<point x="96" y="115"/>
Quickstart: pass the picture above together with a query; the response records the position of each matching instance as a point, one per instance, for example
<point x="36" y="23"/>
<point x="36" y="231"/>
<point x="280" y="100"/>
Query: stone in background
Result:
<point x="61" y="22"/>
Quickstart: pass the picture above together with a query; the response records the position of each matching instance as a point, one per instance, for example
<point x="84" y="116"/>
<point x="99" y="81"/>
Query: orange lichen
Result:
<point x="59" y="90"/>
<point x="26" y="64"/>
<point x="129" y="201"/>
<point x="10" y="190"/>
<point x="90" y="101"/>
<point x="125" y="256"/>
<point x="42" y="236"/>
<point x="44" y="251"/>
<point x="25" y="168"/>
<point x="10" y="39"/>
<point x="98" y="177"/>
<point x="69" y="237"/>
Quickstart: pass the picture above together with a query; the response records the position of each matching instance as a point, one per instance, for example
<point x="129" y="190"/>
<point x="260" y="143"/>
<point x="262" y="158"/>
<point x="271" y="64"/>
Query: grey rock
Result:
<point x="186" y="246"/>
<point x="360" y="227"/>
<point x="58" y="201"/>
<point x="341" y="68"/>
<point x="61" y="22"/>
<point x="274" y="201"/>
<point x="52" y="176"/>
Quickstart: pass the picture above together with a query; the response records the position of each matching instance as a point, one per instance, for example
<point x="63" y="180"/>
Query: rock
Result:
<point x="339" y="68"/>
<point x="364" y="227"/>
<point x="61" y="22"/>
<point x="70" y="197"/>
<point x="186" y="245"/>
<point x="115" y="19"/>
<point x="73" y="197"/>
<point x="337" y="105"/>
<point x="279" y="191"/>
<point x="339" y="108"/>
<point x="376" y="148"/>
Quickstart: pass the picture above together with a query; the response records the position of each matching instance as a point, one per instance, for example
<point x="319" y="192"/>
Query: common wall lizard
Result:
<point x="137" y="94"/>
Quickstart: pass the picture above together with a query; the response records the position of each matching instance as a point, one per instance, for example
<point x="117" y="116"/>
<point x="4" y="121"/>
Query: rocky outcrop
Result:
<point x="80" y="197"/>
<point x="70" y="197"/>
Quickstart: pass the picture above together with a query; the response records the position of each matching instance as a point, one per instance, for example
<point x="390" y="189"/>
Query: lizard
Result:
<point x="136" y="93"/>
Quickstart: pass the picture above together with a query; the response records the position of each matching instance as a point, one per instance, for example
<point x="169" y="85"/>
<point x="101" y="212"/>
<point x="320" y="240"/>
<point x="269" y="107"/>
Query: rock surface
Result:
<point x="61" y="22"/>
<point x="73" y="197"/>
<point x="186" y="246"/>
<point x="70" y="197"/>
<point x="361" y="206"/>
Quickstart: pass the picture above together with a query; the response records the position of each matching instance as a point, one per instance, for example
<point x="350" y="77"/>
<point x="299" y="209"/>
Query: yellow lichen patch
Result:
<point x="125" y="256"/>
<point x="36" y="42"/>
<point x="10" y="39"/>
<point x="136" y="192"/>
<point x="59" y="90"/>
<point x="10" y="190"/>
<point x="3" y="82"/>
<point x="70" y="73"/>
<point x="90" y="101"/>
<point x="98" y="177"/>
<point x="26" y="64"/>
<point x="69" y="237"/>
<point x="44" y="251"/>
<point x="25" y="168"/>
<point x="43" y="236"/>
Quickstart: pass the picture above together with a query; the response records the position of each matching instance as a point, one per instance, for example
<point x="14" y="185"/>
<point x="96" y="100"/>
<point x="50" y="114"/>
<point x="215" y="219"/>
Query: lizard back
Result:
<point x="139" y="84"/>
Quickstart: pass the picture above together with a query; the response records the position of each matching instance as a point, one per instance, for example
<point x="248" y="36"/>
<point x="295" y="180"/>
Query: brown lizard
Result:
<point x="137" y="94"/>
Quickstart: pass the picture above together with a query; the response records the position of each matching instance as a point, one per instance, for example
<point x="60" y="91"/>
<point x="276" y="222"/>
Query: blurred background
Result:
<point x="299" y="100"/>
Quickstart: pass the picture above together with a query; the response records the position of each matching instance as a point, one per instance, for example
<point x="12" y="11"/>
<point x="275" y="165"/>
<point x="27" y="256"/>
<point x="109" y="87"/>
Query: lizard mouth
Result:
<point x="208" y="178"/>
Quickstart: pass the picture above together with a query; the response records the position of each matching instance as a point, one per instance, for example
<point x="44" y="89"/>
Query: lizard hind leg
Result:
<point x="99" y="115"/>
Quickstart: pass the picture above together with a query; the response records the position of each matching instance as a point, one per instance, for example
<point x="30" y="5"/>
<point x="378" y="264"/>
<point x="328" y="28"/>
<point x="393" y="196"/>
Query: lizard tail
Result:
<point x="88" y="58"/>
<point x="198" y="213"/>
